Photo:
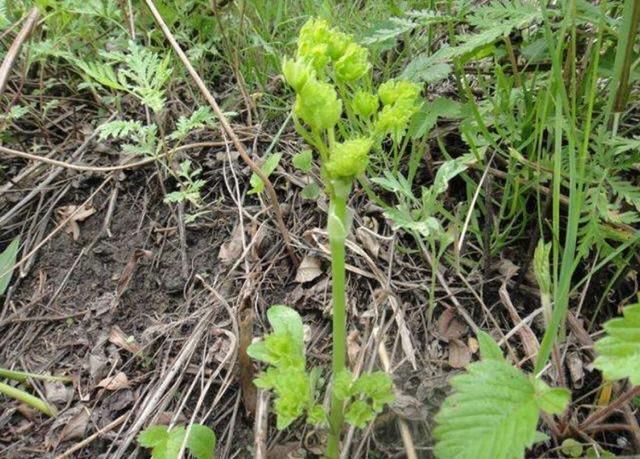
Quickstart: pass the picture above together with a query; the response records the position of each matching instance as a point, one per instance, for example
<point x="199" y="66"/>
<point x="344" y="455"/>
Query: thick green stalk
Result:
<point x="27" y="398"/>
<point x="337" y="229"/>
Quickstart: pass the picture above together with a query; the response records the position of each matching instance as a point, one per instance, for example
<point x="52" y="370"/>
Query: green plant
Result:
<point x="339" y="114"/>
<point x="167" y="443"/>
<point x="618" y="350"/>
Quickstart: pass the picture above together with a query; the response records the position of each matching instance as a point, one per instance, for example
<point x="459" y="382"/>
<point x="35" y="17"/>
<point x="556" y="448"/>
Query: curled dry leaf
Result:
<point x="308" y="270"/>
<point x="56" y="392"/>
<point x="353" y="346"/>
<point x="121" y="340"/>
<point x="409" y="407"/>
<point x="450" y="327"/>
<point x="369" y="242"/>
<point x="115" y="382"/>
<point x="231" y="250"/>
<point x="75" y="214"/>
<point x="459" y="354"/>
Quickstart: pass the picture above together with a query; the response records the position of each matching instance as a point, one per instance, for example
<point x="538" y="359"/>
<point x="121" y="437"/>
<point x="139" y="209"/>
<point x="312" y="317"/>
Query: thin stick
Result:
<point x="11" y="55"/>
<point x="606" y="411"/>
<point x="226" y="127"/>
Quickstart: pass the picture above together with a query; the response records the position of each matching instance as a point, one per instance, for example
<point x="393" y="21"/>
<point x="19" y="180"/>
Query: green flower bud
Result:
<point x="392" y="91"/>
<point x="296" y="73"/>
<point x="365" y="104"/>
<point x="353" y="64"/>
<point x="337" y="44"/>
<point x="313" y="43"/>
<point x="394" y="119"/>
<point x="318" y="105"/>
<point x="350" y="158"/>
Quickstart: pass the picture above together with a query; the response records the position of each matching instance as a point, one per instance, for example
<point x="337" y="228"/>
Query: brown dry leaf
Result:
<point x="473" y="344"/>
<point x="231" y="250"/>
<point x="128" y="343"/>
<point x="450" y="327"/>
<point x="353" y="346"/>
<point x="129" y="269"/>
<point x="308" y="270"/>
<point x="459" y="354"/>
<point x="56" y="392"/>
<point x="115" y="382"/>
<point x="507" y="268"/>
<point x="369" y="242"/>
<point x="576" y="369"/>
<point x="290" y="450"/>
<point x="75" y="214"/>
<point x="409" y="407"/>
<point x="72" y="424"/>
<point x="246" y="369"/>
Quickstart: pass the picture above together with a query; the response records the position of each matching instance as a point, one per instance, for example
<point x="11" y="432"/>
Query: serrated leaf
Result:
<point x="359" y="414"/>
<point x="618" y="351"/>
<point x="491" y="414"/>
<point x="489" y="349"/>
<point x="201" y="442"/>
<point x="7" y="260"/>
<point x="303" y="161"/>
<point x="425" y="69"/>
<point x="551" y="400"/>
<point x="153" y="436"/>
<point x="268" y="166"/>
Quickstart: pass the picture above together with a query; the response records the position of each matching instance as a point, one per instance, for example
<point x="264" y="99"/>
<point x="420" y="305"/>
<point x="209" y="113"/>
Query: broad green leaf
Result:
<point x="7" y="260"/>
<point x="268" y="166"/>
<point x="201" y="442"/>
<point x="310" y="191"/>
<point x="618" y="351"/>
<point x="164" y="444"/>
<point x="489" y="349"/>
<point x="303" y="161"/>
<point x="491" y="414"/>
<point x="551" y="400"/>
<point x="284" y="319"/>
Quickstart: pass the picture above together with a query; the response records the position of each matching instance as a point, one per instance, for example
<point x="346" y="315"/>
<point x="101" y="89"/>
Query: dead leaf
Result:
<point x="290" y="450"/>
<point x="450" y="327"/>
<point x="115" y="382"/>
<point x="473" y="344"/>
<point x="369" y="242"/>
<point x="71" y="424"/>
<point x="353" y="346"/>
<point x="308" y="270"/>
<point x="129" y="269"/>
<point x="231" y="250"/>
<point x="120" y="339"/>
<point x="408" y="407"/>
<point x="459" y="354"/>
<point x="56" y="392"/>
<point x="246" y="369"/>
<point x="507" y="268"/>
<point x="576" y="369"/>
<point x="74" y="214"/>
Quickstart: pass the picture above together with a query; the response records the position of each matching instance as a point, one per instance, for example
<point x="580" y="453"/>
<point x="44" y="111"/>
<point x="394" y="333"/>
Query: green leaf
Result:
<point x="342" y="384"/>
<point x="571" y="448"/>
<point x="551" y="400"/>
<point x="303" y="160"/>
<point x="310" y="191"/>
<point x="489" y="349"/>
<point x="7" y="260"/>
<point x="201" y="442"/>
<point x="449" y="170"/>
<point x="317" y="415"/>
<point x="268" y="166"/>
<point x="164" y="444"/>
<point x="359" y="414"/>
<point x="377" y="387"/>
<point x="491" y="414"/>
<point x="284" y="319"/>
<point x="619" y="349"/>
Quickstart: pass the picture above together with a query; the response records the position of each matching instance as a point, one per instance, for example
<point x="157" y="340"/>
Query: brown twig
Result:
<point x="11" y="55"/>
<point x="226" y="127"/>
<point x="606" y="411"/>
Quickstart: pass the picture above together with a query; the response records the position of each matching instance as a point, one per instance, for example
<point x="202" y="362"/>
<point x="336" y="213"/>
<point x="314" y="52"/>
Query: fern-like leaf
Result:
<point x="619" y="351"/>
<point x="493" y="412"/>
